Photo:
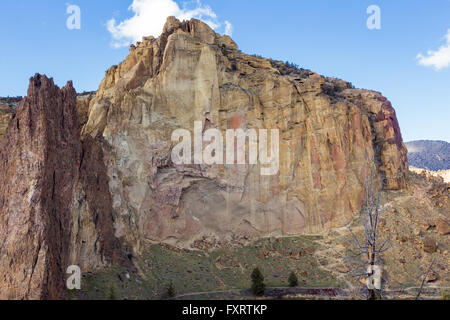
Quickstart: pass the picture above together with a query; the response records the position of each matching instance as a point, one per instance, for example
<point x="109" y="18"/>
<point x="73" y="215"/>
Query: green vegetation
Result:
<point x="71" y="294"/>
<point x="446" y="295"/>
<point x="225" y="269"/>
<point x="292" y="65"/>
<point x="171" y="293"/>
<point x="112" y="293"/>
<point x="293" y="280"/>
<point x="258" y="286"/>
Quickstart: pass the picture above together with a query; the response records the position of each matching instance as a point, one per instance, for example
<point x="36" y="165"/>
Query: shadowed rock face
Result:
<point x="93" y="244"/>
<point x="55" y="205"/>
<point x="39" y="160"/>
<point x="327" y="130"/>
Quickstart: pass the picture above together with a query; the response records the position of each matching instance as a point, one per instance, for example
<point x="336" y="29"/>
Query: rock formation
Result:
<point x="9" y="105"/>
<point x="92" y="241"/>
<point x="327" y="131"/>
<point x="90" y="200"/>
<point x="6" y="114"/>
<point x="7" y="109"/>
<point x="83" y="101"/>
<point x="39" y="160"/>
<point x="55" y="207"/>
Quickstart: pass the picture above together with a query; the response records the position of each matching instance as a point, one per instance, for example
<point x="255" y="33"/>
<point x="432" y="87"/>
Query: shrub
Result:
<point x="112" y="293"/>
<point x="258" y="286"/>
<point x="170" y="292"/>
<point x="293" y="280"/>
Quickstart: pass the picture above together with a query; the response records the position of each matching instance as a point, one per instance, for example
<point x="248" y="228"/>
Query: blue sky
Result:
<point x="329" y="37"/>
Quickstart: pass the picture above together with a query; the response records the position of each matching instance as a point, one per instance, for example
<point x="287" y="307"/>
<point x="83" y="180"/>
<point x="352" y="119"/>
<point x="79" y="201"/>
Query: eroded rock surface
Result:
<point x="39" y="160"/>
<point x="93" y="244"/>
<point x="327" y="131"/>
<point x="83" y="101"/>
<point x="6" y="114"/>
<point x="92" y="200"/>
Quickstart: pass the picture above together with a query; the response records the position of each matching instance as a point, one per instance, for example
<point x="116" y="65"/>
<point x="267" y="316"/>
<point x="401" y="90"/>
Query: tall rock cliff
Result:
<point x="94" y="198"/>
<point x="55" y="205"/>
<point x="328" y="130"/>
<point x="39" y="160"/>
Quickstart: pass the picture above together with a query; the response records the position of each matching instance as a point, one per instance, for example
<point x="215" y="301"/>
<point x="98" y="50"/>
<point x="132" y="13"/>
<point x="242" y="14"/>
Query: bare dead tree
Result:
<point x="369" y="249"/>
<point x="424" y="279"/>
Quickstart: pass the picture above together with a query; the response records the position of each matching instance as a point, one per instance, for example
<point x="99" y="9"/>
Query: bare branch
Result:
<point x="355" y="239"/>
<point x="370" y="218"/>
<point x="425" y="276"/>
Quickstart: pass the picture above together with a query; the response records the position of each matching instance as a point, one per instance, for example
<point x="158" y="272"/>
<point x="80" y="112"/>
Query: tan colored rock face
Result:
<point x="66" y="199"/>
<point x="327" y="130"/>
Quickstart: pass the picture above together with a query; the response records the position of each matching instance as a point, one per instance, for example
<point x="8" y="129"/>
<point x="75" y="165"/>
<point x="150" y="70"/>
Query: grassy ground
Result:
<point x="216" y="270"/>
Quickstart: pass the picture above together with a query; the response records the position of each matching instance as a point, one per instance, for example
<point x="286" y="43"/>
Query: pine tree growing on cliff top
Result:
<point x="258" y="286"/>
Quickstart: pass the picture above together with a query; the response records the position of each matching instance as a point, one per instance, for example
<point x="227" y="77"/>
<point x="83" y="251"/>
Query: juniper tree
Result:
<point x="171" y="291"/>
<point x="258" y="286"/>
<point x="293" y="280"/>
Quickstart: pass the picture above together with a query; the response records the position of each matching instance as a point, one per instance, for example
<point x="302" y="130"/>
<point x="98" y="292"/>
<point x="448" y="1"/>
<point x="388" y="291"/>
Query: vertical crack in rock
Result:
<point x="93" y="243"/>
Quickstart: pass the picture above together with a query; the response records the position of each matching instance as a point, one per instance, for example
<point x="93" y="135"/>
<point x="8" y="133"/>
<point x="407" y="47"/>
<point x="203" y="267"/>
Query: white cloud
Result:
<point x="228" y="28"/>
<point x="150" y="16"/>
<point x="439" y="59"/>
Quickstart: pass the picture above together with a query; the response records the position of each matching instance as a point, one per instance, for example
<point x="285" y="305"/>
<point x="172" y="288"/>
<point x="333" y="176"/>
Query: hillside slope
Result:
<point x="430" y="155"/>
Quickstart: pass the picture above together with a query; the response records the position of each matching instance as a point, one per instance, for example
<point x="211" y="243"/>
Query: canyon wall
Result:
<point x="328" y="130"/>
<point x="98" y="193"/>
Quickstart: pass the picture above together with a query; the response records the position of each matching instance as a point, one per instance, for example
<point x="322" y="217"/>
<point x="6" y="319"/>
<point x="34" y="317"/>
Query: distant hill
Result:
<point x="430" y="155"/>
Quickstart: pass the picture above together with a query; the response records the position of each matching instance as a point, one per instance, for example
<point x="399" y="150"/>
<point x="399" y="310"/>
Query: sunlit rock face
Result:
<point x="91" y="181"/>
<point x="327" y="130"/>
